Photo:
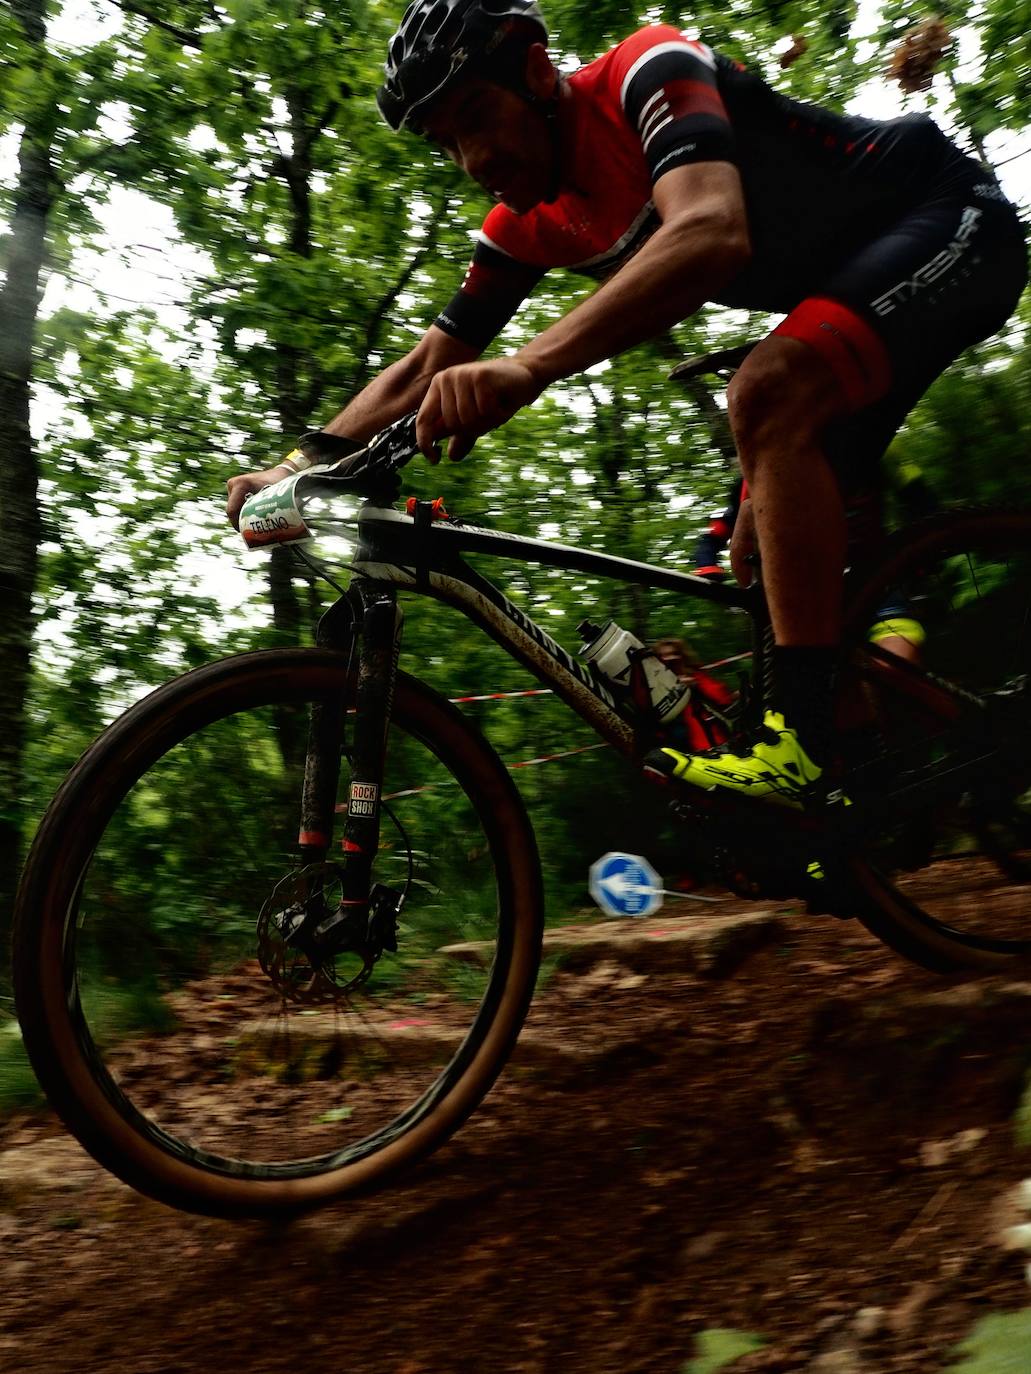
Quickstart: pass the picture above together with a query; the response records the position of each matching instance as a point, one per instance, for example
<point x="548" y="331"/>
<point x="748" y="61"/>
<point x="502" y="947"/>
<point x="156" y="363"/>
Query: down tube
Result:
<point x="489" y="608"/>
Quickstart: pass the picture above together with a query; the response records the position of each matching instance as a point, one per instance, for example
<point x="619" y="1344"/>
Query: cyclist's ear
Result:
<point x="541" y="76"/>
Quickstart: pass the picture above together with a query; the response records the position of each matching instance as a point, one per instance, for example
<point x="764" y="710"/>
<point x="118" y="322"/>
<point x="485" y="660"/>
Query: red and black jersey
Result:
<point x="649" y="105"/>
<point x="818" y="185"/>
<point x="716" y="538"/>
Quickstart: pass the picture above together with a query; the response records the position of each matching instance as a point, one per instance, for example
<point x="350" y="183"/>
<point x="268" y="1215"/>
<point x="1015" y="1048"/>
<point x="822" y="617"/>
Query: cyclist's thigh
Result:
<point x="892" y="319"/>
<point x="947" y="275"/>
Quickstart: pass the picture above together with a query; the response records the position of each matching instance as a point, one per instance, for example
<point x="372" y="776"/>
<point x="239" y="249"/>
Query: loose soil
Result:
<point x="815" y="1144"/>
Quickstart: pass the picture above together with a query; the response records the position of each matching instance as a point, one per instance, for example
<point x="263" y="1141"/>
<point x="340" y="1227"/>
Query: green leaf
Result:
<point x="337" y="1114"/>
<point x="719" y="1347"/>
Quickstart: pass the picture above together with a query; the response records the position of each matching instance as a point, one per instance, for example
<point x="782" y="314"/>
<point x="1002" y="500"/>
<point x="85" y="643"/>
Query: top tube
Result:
<point x="389" y="536"/>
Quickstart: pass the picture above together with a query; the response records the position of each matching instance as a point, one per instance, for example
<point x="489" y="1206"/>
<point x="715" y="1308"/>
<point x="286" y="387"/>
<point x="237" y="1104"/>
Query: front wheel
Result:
<point x="171" y="1043"/>
<point x="938" y="733"/>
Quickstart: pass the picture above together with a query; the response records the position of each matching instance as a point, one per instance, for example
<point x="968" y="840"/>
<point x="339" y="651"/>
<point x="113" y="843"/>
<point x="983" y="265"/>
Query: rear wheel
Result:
<point x="170" y="1023"/>
<point x="939" y="753"/>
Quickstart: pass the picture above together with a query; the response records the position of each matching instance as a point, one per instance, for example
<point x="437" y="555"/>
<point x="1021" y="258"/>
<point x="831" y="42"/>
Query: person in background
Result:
<point x="704" y="722"/>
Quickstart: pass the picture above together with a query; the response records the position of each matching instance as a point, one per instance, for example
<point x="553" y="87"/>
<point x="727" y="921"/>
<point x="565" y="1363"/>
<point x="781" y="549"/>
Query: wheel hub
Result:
<point x="313" y="948"/>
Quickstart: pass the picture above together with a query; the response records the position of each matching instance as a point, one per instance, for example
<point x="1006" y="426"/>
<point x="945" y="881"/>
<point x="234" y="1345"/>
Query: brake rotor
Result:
<point x="298" y="902"/>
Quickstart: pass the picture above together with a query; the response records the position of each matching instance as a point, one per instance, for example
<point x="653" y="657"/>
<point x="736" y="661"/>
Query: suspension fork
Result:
<point x="379" y="647"/>
<point x="368" y="621"/>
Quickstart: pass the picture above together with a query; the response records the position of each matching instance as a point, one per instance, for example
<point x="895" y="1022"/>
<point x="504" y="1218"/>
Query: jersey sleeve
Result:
<point x="669" y="92"/>
<point x="495" y="286"/>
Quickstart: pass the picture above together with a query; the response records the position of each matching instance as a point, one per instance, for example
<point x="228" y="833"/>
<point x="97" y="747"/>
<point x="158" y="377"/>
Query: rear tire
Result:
<point x="948" y="881"/>
<point x="151" y="1026"/>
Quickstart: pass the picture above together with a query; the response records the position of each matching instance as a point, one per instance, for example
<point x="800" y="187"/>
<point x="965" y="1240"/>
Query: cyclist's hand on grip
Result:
<point x="467" y="401"/>
<point x="246" y="484"/>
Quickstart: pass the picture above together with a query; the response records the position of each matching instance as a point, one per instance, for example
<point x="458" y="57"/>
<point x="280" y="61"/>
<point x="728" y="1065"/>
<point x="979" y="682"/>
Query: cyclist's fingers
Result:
<point x="428" y="426"/>
<point x="239" y="488"/>
<point x="464" y="402"/>
<point x="459" y="446"/>
<point x="451" y="406"/>
<point x="482" y="409"/>
<point x="490" y="403"/>
<point x="478" y="404"/>
<point x="462" y="412"/>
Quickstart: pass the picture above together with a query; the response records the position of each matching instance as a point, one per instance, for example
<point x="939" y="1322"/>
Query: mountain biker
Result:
<point x="677" y="176"/>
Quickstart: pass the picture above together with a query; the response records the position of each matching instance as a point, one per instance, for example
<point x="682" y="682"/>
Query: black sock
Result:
<point x="803" y="691"/>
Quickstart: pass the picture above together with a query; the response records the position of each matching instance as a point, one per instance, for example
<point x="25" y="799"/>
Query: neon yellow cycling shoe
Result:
<point x="773" y="767"/>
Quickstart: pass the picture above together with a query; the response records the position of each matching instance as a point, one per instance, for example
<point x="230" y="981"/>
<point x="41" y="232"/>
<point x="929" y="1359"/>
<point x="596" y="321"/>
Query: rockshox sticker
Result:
<point x="363" y="799"/>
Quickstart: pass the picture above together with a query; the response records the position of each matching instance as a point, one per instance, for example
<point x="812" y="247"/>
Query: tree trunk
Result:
<point x="24" y="252"/>
<point x="295" y="171"/>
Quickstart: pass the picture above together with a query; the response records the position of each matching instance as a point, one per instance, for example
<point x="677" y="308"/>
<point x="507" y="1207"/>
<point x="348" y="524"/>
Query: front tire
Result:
<point x="151" y="1026"/>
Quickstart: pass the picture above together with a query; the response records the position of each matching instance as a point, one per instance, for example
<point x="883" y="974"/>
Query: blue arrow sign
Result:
<point x="625" y="885"/>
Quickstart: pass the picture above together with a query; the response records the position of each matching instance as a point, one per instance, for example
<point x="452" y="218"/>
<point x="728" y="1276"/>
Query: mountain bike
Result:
<point x="370" y="927"/>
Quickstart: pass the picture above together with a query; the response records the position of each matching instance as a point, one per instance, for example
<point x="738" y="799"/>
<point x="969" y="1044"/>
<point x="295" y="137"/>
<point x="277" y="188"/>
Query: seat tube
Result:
<point x="380" y="643"/>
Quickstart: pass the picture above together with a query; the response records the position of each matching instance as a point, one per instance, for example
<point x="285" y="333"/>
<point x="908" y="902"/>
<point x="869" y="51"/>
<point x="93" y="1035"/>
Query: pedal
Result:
<point x="769" y="853"/>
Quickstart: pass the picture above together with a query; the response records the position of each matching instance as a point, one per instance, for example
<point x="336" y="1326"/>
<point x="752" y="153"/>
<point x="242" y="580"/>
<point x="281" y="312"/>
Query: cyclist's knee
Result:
<point x="783" y="392"/>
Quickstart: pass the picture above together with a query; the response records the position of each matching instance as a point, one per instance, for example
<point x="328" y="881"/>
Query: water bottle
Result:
<point x="633" y="670"/>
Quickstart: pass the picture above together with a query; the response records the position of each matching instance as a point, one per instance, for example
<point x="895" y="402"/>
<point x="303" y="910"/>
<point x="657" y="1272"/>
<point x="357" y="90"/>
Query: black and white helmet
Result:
<point x="438" y="40"/>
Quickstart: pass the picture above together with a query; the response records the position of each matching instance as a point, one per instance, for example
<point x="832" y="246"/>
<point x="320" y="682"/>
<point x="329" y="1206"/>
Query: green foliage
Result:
<point x="18" y="1086"/>
<point x="719" y="1347"/>
<point x="998" y="1344"/>
<point x="1005" y="42"/>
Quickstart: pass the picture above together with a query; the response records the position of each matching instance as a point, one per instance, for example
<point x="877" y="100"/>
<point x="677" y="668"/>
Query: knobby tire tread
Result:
<point x="888" y="915"/>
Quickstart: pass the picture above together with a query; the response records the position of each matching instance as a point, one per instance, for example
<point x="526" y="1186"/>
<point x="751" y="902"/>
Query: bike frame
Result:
<point x="401" y="552"/>
<point x="426" y="555"/>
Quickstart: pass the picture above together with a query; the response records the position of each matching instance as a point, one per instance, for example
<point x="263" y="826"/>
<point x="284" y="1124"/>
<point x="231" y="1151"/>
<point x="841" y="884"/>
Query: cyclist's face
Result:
<point x="675" y="662"/>
<point x="498" y="139"/>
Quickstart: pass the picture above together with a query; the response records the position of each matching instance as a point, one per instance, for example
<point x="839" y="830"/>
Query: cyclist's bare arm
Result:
<point x="701" y="244"/>
<point x="397" y="390"/>
<point x="400" y="387"/>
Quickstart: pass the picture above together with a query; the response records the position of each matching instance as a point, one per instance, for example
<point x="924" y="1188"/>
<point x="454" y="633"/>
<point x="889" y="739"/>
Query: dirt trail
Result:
<point x="806" y="1138"/>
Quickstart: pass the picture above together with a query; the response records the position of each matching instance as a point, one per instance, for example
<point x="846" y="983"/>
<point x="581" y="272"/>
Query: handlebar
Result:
<point x="273" y="515"/>
<point x="372" y="470"/>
